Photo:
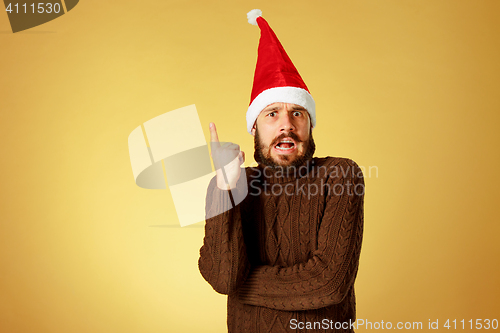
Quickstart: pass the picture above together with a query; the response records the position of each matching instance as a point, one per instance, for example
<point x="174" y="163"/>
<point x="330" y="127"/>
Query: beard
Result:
<point x="263" y="156"/>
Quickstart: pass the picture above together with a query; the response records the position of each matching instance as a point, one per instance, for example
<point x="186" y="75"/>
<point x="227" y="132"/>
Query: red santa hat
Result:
<point x="276" y="78"/>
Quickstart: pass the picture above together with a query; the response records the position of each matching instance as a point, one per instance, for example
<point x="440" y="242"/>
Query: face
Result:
<point x="283" y="135"/>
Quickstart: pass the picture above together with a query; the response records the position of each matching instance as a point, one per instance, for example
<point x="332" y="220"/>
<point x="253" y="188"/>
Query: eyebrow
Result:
<point x="293" y="108"/>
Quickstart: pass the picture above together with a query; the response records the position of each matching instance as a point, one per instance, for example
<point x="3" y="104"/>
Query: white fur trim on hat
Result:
<point x="291" y="95"/>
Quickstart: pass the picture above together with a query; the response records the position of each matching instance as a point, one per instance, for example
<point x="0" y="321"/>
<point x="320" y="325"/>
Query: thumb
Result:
<point x="242" y="157"/>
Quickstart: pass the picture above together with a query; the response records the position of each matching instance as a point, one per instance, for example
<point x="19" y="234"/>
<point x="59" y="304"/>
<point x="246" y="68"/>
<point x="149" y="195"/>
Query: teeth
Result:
<point x="285" y="141"/>
<point x="277" y="147"/>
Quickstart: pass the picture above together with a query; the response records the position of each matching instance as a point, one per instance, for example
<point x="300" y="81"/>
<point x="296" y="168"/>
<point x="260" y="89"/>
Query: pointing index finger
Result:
<point x="214" y="138"/>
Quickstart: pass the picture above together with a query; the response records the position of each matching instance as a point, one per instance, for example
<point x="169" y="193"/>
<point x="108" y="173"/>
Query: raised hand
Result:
<point x="227" y="158"/>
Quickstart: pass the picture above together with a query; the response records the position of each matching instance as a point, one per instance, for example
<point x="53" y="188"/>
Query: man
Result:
<point x="283" y="239"/>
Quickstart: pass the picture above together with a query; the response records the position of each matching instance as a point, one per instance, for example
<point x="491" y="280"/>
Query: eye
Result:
<point x="297" y="113"/>
<point x="271" y="114"/>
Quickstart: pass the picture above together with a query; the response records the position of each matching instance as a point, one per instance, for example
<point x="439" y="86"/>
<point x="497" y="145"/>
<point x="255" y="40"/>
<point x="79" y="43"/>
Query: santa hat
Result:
<point x="276" y="78"/>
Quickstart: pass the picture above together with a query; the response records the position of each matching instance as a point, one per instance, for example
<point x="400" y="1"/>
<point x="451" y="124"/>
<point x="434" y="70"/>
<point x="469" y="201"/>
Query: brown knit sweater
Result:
<point x="287" y="255"/>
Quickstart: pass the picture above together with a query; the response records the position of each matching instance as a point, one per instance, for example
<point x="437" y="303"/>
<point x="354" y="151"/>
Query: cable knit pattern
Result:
<point x="290" y="250"/>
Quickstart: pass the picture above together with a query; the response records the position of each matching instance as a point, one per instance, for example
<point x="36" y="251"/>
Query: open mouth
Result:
<point x="285" y="145"/>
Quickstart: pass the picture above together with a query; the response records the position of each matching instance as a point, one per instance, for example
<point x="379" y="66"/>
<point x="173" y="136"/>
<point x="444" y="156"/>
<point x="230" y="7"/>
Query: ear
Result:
<point x="253" y="130"/>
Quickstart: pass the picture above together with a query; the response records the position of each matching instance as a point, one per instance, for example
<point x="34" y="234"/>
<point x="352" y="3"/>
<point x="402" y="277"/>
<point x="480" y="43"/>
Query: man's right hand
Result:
<point x="227" y="158"/>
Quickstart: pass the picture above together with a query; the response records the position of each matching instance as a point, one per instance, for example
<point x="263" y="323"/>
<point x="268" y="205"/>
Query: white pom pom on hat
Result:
<point x="276" y="79"/>
<point x="252" y="16"/>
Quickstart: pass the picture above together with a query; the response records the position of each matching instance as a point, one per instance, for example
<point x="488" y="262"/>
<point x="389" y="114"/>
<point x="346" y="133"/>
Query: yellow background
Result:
<point x="409" y="86"/>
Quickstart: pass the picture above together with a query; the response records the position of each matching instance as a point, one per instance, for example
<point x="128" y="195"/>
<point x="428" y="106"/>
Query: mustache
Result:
<point x="285" y="135"/>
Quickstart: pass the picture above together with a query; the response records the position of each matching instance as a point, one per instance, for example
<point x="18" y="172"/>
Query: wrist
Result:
<point x="222" y="185"/>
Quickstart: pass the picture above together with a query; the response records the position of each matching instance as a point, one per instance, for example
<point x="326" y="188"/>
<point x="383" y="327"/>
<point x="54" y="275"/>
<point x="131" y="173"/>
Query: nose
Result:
<point x="286" y="123"/>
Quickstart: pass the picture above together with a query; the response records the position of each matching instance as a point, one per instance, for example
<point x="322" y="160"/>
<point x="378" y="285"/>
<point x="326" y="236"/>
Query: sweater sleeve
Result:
<point x="327" y="276"/>
<point x="223" y="261"/>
